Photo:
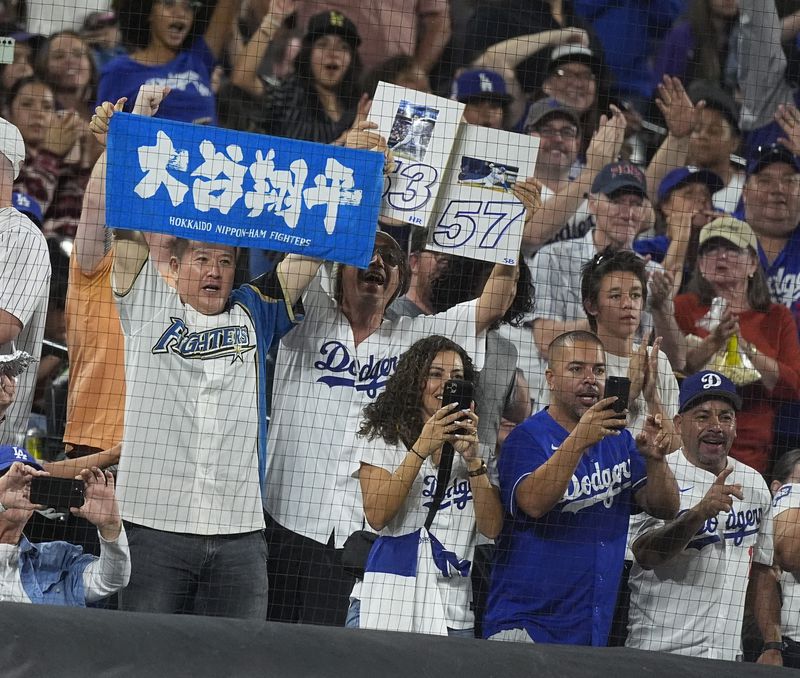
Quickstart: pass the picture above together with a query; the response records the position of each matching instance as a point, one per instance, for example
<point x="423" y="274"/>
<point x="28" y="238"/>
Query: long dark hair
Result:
<point x="348" y="90"/>
<point x="40" y="66"/>
<point x="706" y="62"/>
<point x="134" y="22"/>
<point x="396" y="414"/>
<point x="785" y="464"/>
<point x="757" y="287"/>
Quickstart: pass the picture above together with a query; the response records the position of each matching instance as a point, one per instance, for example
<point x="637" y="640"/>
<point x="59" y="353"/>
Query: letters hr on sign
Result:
<point x="217" y="185"/>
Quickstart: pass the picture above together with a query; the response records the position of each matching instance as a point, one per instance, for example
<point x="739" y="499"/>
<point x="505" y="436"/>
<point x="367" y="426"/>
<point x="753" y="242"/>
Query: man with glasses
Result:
<point x="617" y="203"/>
<point x="772" y="208"/>
<point x="327" y="369"/>
<point x="717" y="550"/>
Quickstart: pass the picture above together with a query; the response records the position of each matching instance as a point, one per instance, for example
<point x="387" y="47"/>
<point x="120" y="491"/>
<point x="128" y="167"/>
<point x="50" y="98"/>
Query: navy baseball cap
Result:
<point x="333" y="22"/>
<point x="716" y="99"/>
<point x="481" y="84"/>
<point x="768" y="155"/>
<point x="28" y="206"/>
<point x="10" y="454"/>
<point x="620" y="175"/>
<point x="707" y="385"/>
<point x="683" y="176"/>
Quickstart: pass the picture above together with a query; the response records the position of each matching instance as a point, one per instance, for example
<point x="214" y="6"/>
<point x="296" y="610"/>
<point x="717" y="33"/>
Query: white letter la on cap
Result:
<point x="710" y="380"/>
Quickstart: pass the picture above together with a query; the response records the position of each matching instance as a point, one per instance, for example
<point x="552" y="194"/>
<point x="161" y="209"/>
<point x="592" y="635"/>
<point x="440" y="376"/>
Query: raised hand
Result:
<point x="15" y="486"/>
<point x="63" y="132"/>
<point x="788" y="117"/>
<point x="100" y="503"/>
<point x="148" y="99"/>
<point x="654" y="441"/>
<point x="529" y="193"/>
<point x="598" y="422"/>
<point x="607" y="140"/>
<point x="103" y="113"/>
<point x="442" y="428"/>
<point x="680" y="114"/>
<point x="719" y="498"/>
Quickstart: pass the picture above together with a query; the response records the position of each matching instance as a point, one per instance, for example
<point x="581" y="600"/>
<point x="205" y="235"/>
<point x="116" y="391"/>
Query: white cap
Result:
<point x="11" y="145"/>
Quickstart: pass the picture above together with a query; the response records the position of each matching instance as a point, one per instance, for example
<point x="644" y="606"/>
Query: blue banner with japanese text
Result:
<point x="249" y="190"/>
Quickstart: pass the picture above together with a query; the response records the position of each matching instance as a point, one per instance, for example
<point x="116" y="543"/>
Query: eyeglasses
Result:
<point x="391" y="256"/>
<point x="729" y="250"/>
<point x="580" y="76"/>
<point x="191" y="5"/>
<point x="568" y="133"/>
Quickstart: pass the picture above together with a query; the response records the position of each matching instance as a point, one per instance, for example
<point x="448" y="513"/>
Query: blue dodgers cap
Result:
<point x="28" y="206"/>
<point x="480" y="83"/>
<point x="707" y="385"/>
<point x="683" y="176"/>
<point x="10" y="454"/>
<point x="620" y="175"/>
<point x="769" y="155"/>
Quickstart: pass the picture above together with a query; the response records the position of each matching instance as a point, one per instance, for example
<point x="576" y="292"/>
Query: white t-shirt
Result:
<point x="694" y="603"/>
<point x="24" y="290"/>
<point x="727" y="198"/>
<point x="785" y="499"/>
<point x="453" y="525"/>
<point x="322" y="383"/>
<point x="668" y="389"/>
<point x="190" y="445"/>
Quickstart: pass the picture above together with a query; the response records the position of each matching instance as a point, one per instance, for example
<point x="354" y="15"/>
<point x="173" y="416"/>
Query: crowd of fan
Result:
<point x="662" y="218"/>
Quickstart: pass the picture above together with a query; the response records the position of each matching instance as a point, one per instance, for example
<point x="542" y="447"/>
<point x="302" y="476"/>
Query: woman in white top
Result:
<point x="400" y="445"/>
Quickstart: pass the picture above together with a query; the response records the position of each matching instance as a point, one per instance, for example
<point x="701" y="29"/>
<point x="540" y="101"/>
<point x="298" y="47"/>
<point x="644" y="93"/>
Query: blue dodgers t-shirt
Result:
<point x="557" y="577"/>
<point x="188" y="76"/>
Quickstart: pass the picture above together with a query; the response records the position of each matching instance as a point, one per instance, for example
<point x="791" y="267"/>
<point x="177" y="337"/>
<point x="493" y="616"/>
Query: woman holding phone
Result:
<point x="400" y="447"/>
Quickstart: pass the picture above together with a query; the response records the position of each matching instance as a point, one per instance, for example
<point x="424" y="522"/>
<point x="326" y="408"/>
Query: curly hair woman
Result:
<point x="401" y="441"/>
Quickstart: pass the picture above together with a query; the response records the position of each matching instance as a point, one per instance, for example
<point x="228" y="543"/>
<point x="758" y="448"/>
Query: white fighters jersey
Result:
<point x="787" y="498"/>
<point x="322" y="382"/>
<point x="190" y="458"/>
<point x="694" y="603"/>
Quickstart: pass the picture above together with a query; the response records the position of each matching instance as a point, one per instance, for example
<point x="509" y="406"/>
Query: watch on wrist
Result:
<point x="482" y="470"/>
<point x="774" y="645"/>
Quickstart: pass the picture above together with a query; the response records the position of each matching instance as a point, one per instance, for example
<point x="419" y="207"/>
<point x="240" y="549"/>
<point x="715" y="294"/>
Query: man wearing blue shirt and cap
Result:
<point x="716" y="551"/>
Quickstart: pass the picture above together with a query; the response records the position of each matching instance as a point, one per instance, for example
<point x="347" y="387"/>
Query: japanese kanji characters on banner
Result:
<point x="220" y="185"/>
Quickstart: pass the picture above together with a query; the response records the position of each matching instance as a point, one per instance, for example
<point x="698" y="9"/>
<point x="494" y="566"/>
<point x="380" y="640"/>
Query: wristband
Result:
<point x="417" y="453"/>
<point x="478" y="471"/>
<point x="774" y="645"/>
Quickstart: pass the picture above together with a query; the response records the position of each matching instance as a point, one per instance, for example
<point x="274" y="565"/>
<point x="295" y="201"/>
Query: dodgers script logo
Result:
<point x="370" y="377"/>
<point x="601" y="485"/>
<point x="710" y="380"/>
<point x="232" y="340"/>
<point x="738" y="525"/>
<point x="457" y="494"/>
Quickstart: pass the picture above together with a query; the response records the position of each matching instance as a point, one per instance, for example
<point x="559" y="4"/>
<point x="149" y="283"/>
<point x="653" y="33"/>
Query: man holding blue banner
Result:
<point x="194" y="442"/>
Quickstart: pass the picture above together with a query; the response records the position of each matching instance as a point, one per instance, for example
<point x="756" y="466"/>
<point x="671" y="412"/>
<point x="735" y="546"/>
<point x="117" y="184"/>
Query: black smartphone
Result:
<point x="458" y="391"/>
<point x="57" y="493"/>
<point x="620" y="387"/>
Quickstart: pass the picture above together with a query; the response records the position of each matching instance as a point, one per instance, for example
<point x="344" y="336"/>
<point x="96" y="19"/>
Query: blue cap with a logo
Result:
<point x="683" y="176"/>
<point x="769" y="155"/>
<point x="9" y="454"/>
<point x="28" y="206"/>
<point x="481" y="84"/>
<point x="707" y="385"/>
<point x="617" y="176"/>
